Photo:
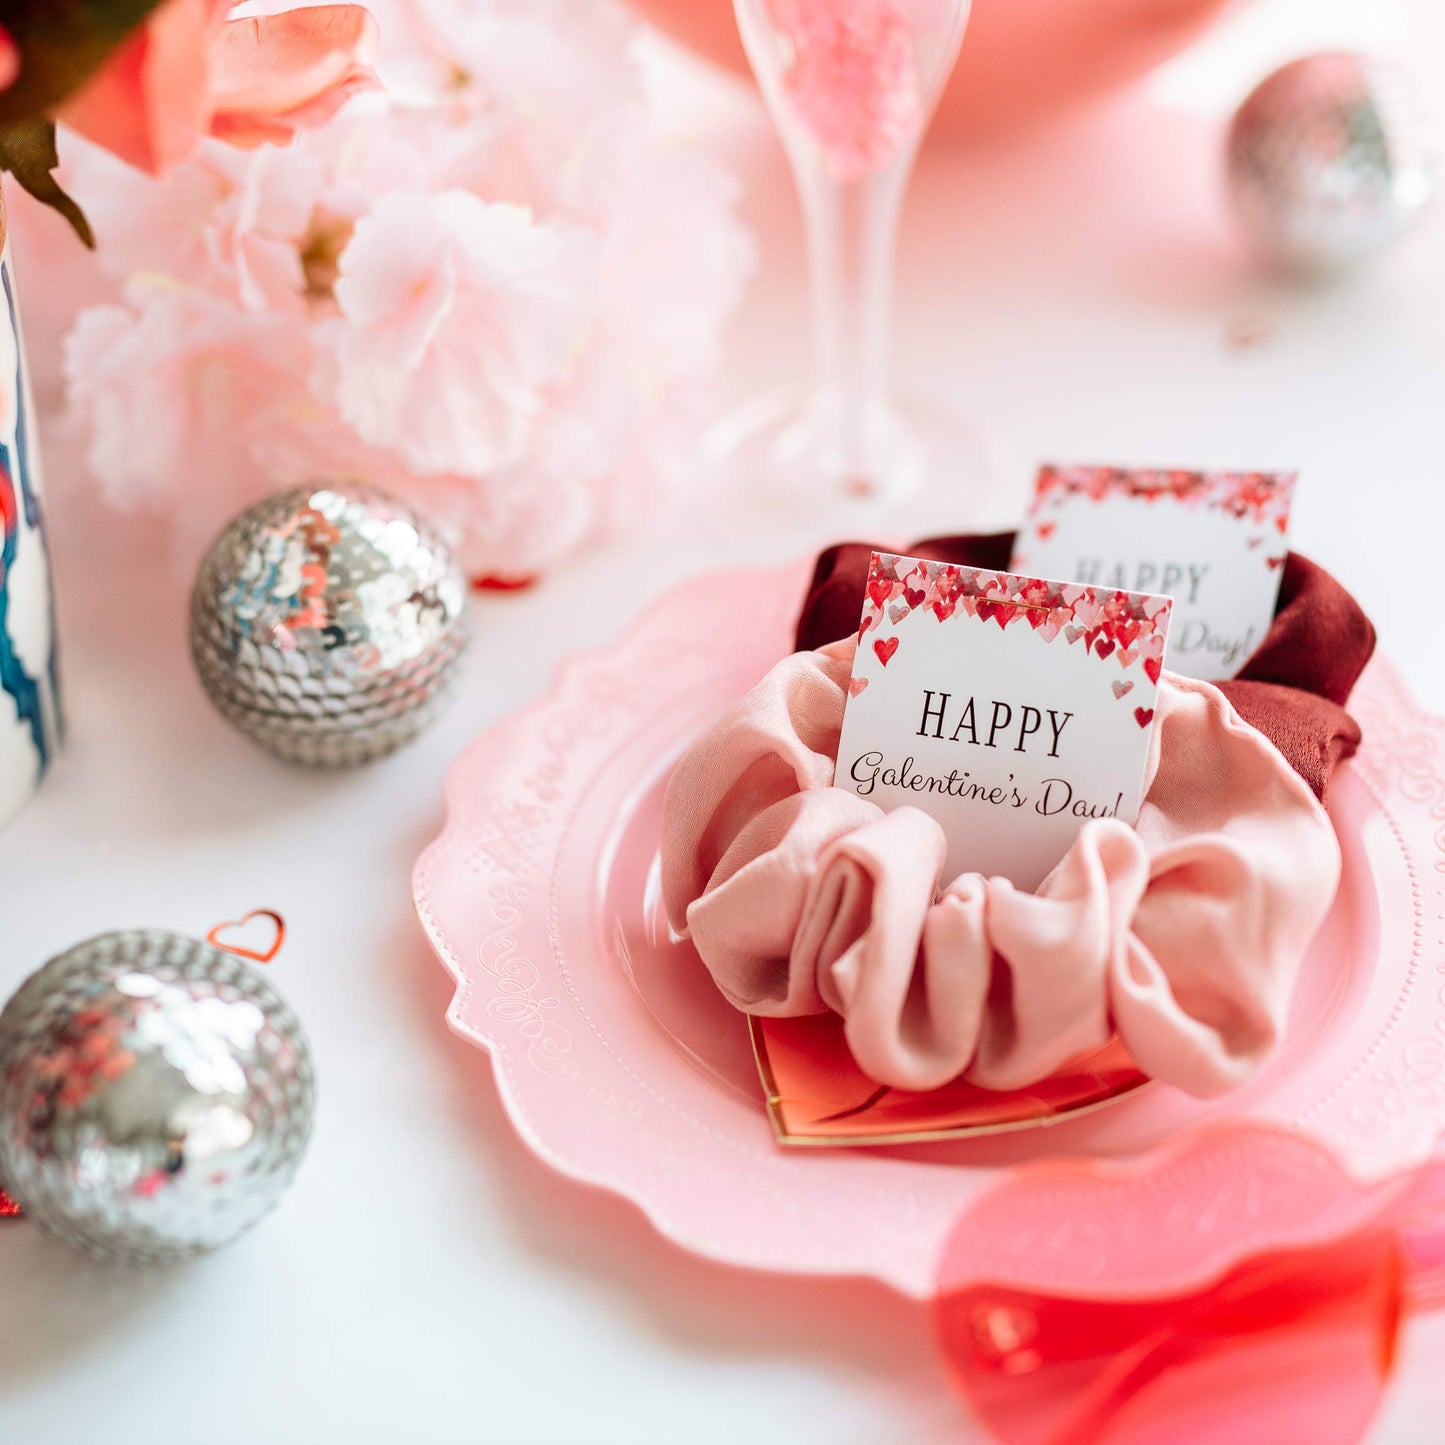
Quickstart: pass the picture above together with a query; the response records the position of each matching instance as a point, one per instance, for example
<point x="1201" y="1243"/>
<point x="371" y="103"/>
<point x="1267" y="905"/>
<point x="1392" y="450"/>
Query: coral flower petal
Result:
<point x="150" y="102"/>
<point x="272" y="74"/>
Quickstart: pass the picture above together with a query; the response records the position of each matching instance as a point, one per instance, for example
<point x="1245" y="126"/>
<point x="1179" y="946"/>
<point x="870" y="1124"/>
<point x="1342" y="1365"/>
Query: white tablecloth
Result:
<point x="427" y="1279"/>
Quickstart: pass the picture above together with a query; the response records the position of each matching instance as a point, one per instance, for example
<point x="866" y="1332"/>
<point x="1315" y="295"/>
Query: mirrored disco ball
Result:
<point x="327" y="623"/>
<point x="1329" y="159"/>
<point x="156" y="1095"/>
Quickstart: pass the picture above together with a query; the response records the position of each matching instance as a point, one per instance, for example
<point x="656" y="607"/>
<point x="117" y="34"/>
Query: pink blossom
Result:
<point x="563" y="489"/>
<point x="551" y="80"/>
<point x="387" y="144"/>
<point x="177" y="386"/>
<point x="230" y="222"/>
<point x="455" y="317"/>
<point x="492" y="288"/>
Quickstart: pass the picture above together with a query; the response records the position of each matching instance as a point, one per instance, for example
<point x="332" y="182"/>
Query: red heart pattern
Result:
<point x="1109" y="623"/>
<point x="1261" y="497"/>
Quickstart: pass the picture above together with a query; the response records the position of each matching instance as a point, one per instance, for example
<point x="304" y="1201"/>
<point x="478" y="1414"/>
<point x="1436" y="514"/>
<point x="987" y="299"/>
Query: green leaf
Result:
<point x="62" y="44"/>
<point x="27" y="151"/>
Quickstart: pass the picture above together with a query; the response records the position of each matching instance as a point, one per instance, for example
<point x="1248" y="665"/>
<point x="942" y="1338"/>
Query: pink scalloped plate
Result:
<point x="620" y="1065"/>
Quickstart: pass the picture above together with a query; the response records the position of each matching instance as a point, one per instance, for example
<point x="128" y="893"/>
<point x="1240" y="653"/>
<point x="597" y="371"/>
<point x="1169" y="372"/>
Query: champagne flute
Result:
<point x="850" y="86"/>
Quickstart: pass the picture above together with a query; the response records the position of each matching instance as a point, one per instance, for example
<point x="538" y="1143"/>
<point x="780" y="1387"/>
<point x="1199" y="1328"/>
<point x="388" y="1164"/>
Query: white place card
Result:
<point x="1214" y="541"/>
<point x="1011" y="709"/>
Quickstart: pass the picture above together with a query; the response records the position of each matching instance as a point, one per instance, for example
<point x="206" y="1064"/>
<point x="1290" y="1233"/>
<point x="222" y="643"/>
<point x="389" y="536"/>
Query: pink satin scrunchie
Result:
<point x="1182" y="935"/>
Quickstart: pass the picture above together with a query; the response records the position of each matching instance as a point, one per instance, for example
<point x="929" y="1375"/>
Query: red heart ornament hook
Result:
<point x="216" y="936"/>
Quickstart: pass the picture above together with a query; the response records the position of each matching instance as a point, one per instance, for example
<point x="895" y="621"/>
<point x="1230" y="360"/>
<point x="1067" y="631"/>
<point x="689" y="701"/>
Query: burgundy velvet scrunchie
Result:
<point x="1293" y="689"/>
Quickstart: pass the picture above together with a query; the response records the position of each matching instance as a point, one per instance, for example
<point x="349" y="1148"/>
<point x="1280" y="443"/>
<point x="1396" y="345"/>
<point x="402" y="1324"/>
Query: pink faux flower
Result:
<point x="567" y="103"/>
<point x="492" y="287"/>
<point x="178" y="388"/>
<point x="230" y="222"/>
<point x="456" y="316"/>
<point x="190" y="70"/>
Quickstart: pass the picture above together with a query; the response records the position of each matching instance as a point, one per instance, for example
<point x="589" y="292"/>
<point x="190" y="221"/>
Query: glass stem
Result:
<point x="852" y="231"/>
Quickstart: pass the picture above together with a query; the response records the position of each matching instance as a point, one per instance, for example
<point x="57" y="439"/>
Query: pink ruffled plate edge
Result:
<point x="510" y="896"/>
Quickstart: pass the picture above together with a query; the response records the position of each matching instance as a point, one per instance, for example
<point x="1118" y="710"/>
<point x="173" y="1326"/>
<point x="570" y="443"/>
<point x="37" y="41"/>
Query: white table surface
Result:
<point x="427" y="1279"/>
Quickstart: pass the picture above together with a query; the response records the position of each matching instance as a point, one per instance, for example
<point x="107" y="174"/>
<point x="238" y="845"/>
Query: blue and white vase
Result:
<point x="29" y="697"/>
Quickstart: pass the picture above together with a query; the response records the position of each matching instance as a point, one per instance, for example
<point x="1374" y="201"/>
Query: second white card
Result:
<point x="1214" y="541"/>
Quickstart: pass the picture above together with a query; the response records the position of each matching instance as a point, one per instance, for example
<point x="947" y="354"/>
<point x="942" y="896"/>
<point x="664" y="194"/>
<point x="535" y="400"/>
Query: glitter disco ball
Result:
<point x="1329" y="159"/>
<point x="327" y="622"/>
<point x="156" y="1095"/>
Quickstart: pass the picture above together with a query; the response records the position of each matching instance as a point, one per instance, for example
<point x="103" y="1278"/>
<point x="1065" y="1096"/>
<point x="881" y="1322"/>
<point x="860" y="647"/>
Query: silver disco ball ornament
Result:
<point x="327" y="622"/>
<point x="156" y="1095"/>
<point x="1329" y="159"/>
